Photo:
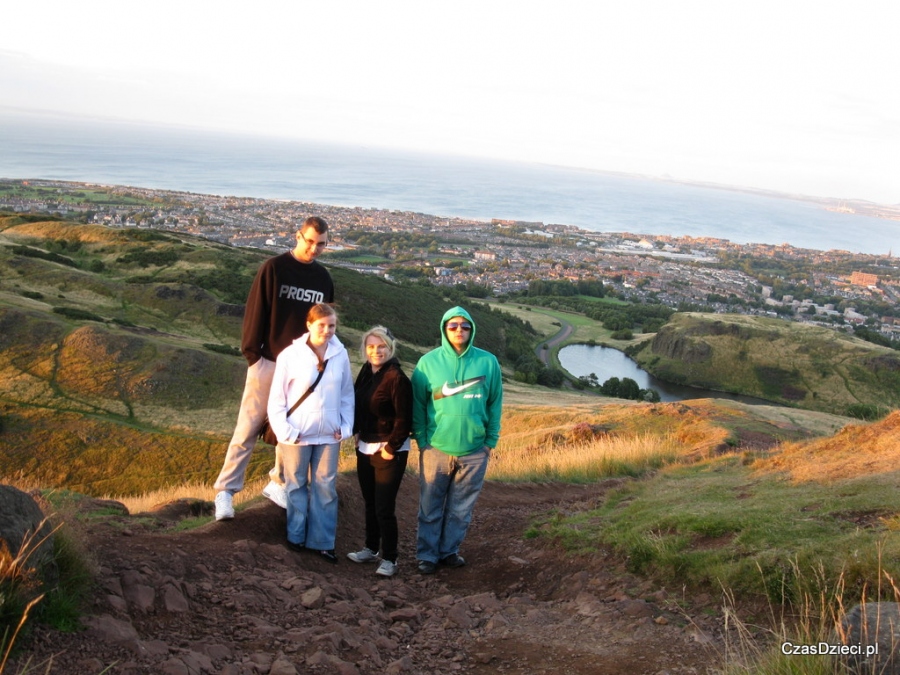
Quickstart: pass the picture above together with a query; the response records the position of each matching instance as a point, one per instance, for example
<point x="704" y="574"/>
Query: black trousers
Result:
<point x="379" y="480"/>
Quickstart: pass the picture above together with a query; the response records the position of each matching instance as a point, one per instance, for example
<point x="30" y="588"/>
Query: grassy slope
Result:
<point x="129" y="399"/>
<point x="810" y="517"/>
<point x="789" y="363"/>
<point x="755" y="499"/>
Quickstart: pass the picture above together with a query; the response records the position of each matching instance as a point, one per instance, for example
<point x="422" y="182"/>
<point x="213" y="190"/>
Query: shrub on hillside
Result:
<point x="866" y="411"/>
<point x="30" y="252"/>
<point x="77" y="314"/>
<point x="222" y="349"/>
<point x="149" y="258"/>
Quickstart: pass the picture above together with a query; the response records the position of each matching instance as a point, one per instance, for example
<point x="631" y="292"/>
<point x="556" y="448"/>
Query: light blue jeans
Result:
<point x="310" y="478"/>
<point x="448" y="489"/>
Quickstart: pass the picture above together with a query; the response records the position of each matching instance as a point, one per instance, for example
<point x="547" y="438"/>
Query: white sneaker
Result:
<point x="386" y="569"/>
<point x="364" y="556"/>
<point x="276" y="493"/>
<point x="224" y="506"/>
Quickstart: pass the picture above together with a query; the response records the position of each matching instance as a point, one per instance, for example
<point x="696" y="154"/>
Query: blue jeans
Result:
<point x="448" y="489"/>
<point x="310" y="478"/>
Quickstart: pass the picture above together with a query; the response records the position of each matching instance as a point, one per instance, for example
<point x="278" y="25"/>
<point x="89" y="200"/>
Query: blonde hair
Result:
<point x="382" y="334"/>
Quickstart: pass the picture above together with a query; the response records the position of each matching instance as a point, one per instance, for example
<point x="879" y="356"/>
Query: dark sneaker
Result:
<point x="453" y="560"/>
<point x="426" y="567"/>
<point x="329" y="556"/>
<point x="299" y="548"/>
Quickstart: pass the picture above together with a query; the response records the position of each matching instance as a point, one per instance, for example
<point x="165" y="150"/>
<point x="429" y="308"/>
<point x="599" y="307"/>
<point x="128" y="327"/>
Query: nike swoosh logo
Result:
<point x="447" y="390"/>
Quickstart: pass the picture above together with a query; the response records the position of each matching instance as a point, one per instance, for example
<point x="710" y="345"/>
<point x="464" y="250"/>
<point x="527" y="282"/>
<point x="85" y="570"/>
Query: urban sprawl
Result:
<point x="503" y="258"/>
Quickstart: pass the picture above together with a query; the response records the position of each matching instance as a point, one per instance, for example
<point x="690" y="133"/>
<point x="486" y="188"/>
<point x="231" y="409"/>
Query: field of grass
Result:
<point x="769" y="503"/>
<point x="586" y="330"/>
<point x="786" y="362"/>
<point x="775" y="525"/>
<point x="24" y="190"/>
<point x="117" y="350"/>
<point x="542" y="321"/>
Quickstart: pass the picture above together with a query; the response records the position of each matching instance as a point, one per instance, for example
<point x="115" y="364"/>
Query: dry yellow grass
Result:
<point x="590" y="460"/>
<point x="574" y="438"/>
<point x="89" y="234"/>
<point x="856" y="450"/>
<point x="147" y="502"/>
<point x="585" y="441"/>
<point x="205" y="491"/>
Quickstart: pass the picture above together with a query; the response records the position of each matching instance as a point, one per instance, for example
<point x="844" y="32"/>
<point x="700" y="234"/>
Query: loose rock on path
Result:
<point x="229" y="598"/>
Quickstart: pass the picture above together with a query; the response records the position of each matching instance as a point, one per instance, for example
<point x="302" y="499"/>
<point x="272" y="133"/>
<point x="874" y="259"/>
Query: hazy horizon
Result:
<point x="786" y="97"/>
<point x="64" y="117"/>
<point x="183" y="159"/>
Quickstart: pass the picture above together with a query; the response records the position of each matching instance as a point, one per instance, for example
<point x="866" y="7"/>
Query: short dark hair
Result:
<point x="317" y="223"/>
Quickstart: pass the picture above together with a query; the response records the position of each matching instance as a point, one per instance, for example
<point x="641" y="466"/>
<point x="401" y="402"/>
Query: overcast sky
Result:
<point x="794" y="96"/>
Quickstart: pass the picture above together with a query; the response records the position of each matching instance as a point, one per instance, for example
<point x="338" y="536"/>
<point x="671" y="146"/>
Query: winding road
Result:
<point x="565" y="331"/>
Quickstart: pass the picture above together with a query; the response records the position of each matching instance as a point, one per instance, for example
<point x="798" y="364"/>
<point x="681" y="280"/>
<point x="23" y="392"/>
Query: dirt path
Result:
<point x="229" y="598"/>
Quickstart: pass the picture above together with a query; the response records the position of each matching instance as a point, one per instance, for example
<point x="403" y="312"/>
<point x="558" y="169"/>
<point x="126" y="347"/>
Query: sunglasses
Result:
<point x="459" y="326"/>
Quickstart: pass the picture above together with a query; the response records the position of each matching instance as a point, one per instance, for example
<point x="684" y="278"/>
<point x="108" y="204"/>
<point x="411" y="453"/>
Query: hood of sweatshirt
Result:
<point x="449" y="314"/>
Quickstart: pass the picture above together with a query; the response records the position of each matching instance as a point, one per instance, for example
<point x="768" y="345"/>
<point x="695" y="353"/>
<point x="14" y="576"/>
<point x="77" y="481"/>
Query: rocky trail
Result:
<point x="229" y="598"/>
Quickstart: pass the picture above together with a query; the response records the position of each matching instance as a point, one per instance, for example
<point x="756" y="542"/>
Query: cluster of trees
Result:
<point x="230" y="284"/>
<point x="520" y="234"/>
<point x="615" y="316"/>
<point x="619" y="388"/>
<point x="30" y="252"/>
<point x="565" y="288"/>
<point x="529" y="369"/>
<point x="397" y="242"/>
<point x="649" y="318"/>
<point x="875" y="337"/>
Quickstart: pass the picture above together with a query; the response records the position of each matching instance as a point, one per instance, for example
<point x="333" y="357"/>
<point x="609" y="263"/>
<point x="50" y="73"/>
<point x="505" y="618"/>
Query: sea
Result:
<point x="43" y="146"/>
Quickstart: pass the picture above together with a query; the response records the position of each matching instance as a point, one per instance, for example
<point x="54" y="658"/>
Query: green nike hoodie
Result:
<point x="457" y="398"/>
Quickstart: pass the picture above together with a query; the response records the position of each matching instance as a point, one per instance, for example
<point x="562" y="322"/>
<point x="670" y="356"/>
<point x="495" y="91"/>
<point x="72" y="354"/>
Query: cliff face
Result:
<point x="678" y="345"/>
<point x="784" y="362"/>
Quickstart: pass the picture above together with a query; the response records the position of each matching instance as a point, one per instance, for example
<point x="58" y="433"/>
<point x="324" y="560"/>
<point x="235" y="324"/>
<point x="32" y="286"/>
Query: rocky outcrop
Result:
<point x="673" y="343"/>
<point x="872" y="633"/>
<point x="26" y="534"/>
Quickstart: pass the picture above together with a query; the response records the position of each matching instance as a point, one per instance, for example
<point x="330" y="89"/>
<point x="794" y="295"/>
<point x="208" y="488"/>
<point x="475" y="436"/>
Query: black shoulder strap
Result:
<point x="311" y="387"/>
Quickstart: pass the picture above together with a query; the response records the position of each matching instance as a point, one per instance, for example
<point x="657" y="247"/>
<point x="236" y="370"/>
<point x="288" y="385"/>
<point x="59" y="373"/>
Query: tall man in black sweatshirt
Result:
<point x="284" y="289"/>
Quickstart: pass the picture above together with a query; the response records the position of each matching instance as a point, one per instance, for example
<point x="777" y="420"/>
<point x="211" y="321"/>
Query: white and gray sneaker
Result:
<point x="386" y="569"/>
<point x="365" y="556"/>
<point x="224" y="506"/>
<point x="276" y="493"/>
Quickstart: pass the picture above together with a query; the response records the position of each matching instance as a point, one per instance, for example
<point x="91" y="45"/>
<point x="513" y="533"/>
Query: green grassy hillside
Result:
<point x="785" y="362"/>
<point x="118" y="350"/>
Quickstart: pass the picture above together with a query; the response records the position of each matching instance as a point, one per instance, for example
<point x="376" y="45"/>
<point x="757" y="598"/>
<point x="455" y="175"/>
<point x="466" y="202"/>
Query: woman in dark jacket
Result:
<point x="382" y="424"/>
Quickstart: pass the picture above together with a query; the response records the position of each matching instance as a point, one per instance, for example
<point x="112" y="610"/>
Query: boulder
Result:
<point x="872" y="633"/>
<point x="26" y="533"/>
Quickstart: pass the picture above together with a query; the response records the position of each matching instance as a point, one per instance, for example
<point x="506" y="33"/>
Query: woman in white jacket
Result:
<point x="309" y="437"/>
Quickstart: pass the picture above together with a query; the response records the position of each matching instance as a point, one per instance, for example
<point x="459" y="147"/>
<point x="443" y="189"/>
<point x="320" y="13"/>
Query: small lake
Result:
<point x="606" y="362"/>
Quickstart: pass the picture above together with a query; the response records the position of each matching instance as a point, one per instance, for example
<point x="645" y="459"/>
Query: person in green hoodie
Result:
<point x="457" y="400"/>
